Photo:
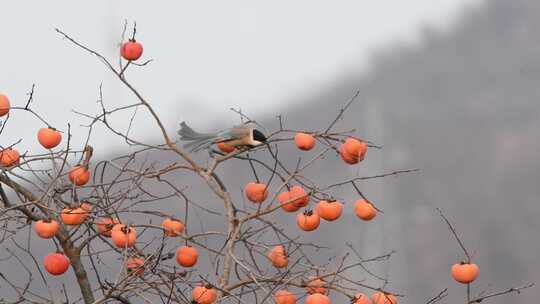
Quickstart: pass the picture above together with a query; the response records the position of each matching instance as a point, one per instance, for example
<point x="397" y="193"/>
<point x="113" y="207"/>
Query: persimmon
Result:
<point x="256" y="192"/>
<point x="361" y="298"/>
<point x="73" y="216"/>
<point x="364" y="210"/>
<point x="383" y="298"/>
<point x="465" y="272"/>
<point x="308" y="220"/>
<point x="284" y="199"/>
<point x="172" y="227"/>
<point x="353" y="151"/>
<point x="56" y="263"/>
<point x="300" y="196"/>
<point x="4" y="105"/>
<point x="49" y="137"/>
<point x="348" y="158"/>
<point x="9" y="157"/>
<point x="123" y="236"/>
<point x="105" y="225"/>
<point x="46" y="229"/>
<point x="278" y="256"/>
<point x="304" y="141"/>
<point x="316" y="285"/>
<point x="135" y="266"/>
<point x="79" y="175"/>
<point x="284" y="296"/>
<point x="317" y="298"/>
<point x="225" y="147"/>
<point x="204" y="294"/>
<point x="329" y="210"/>
<point x="187" y="256"/>
<point x="131" y="50"/>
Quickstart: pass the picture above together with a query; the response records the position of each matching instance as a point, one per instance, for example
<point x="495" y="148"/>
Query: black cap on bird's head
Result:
<point x="258" y="136"/>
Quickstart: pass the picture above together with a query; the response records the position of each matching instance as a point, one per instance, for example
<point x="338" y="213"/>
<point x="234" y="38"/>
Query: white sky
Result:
<point x="209" y="55"/>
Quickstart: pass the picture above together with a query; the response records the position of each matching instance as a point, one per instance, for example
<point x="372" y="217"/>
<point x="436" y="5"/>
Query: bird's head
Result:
<point x="258" y="136"/>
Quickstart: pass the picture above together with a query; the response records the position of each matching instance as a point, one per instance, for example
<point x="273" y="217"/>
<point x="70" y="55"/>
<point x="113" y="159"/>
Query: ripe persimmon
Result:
<point x="364" y="210"/>
<point x="383" y="298"/>
<point x="329" y="210"/>
<point x="46" y="229"/>
<point x="56" y="263"/>
<point x="465" y="272"/>
<point x="9" y="157"/>
<point x="284" y="296"/>
<point x="105" y="225"/>
<point x="316" y="285"/>
<point x="317" y="298"/>
<point x="300" y="196"/>
<point x="256" y="192"/>
<point x="353" y="151"/>
<point x="123" y="236"/>
<point x="349" y="159"/>
<point x="187" y="256"/>
<point x="135" y="266"/>
<point x="79" y="175"/>
<point x="284" y="199"/>
<point x="308" y="220"/>
<point x="73" y="216"/>
<point x="304" y="141"/>
<point x="4" y="105"/>
<point x="131" y="50"/>
<point x="361" y="298"/>
<point x="278" y="256"/>
<point x="172" y="227"/>
<point x="225" y="147"/>
<point x="49" y="137"/>
<point x="204" y="294"/>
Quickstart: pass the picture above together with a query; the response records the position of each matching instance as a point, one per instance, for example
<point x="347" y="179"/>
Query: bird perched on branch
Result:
<point x="237" y="136"/>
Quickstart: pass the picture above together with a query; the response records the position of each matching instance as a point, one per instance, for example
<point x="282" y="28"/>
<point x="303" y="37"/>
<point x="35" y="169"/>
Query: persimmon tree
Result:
<point x="99" y="214"/>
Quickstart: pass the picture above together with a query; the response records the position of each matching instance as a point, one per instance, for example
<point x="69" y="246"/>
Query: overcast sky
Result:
<point x="209" y="55"/>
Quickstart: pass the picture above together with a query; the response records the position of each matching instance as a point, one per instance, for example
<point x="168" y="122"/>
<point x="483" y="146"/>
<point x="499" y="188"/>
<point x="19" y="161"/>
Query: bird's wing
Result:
<point x="235" y="133"/>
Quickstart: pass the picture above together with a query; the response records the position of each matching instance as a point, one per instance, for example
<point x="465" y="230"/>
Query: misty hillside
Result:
<point x="464" y="107"/>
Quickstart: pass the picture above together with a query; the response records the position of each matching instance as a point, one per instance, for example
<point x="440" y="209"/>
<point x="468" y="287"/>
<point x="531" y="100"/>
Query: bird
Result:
<point x="237" y="136"/>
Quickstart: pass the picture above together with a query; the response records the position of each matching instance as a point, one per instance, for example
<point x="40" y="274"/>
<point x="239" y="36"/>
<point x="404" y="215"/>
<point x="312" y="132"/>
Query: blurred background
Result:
<point x="450" y="88"/>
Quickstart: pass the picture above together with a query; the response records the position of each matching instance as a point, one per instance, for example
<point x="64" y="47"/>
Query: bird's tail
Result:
<point x="197" y="141"/>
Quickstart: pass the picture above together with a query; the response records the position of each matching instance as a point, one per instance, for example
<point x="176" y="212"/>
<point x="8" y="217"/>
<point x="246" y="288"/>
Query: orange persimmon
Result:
<point x="49" y="137"/>
<point x="383" y="298"/>
<point x="186" y="256"/>
<point x="364" y="210"/>
<point x="304" y="141"/>
<point x="465" y="272"/>
<point x="284" y="296"/>
<point x="256" y="192"/>
<point x="46" y="229"/>
<point x="4" y="105"/>
<point x="56" y="263"/>
<point x="79" y="175"/>
<point x="73" y="216"/>
<point x="329" y="210"/>
<point x="123" y="236"/>
<point x="308" y="220"/>
<point x="204" y="294"/>
<point x="317" y="298"/>
<point x="172" y="227"/>
<point x="278" y="256"/>
<point x="9" y="157"/>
